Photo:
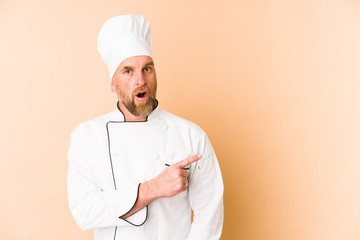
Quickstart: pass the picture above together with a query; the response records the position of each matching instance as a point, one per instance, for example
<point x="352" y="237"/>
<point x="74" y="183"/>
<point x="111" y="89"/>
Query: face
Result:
<point x="135" y="83"/>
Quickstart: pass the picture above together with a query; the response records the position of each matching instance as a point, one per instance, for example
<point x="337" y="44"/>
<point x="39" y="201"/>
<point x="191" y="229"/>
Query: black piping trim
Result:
<point x="136" y="225"/>
<point x="115" y="233"/>
<point x="113" y="175"/>
<point x="142" y="222"/>
<point x="137" y="196"/>
<point x="112" y="168"/>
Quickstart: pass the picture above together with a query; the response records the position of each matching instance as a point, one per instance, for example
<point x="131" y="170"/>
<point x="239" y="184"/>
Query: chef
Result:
<point x="138" y="171"/>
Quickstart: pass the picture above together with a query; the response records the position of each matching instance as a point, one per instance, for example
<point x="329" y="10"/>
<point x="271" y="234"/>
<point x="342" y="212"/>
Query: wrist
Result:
<point x="149" y="190"/>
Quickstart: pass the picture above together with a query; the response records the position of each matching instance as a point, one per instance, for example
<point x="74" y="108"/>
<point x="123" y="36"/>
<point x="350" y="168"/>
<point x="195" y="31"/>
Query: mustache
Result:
<point x="142" y="88"/>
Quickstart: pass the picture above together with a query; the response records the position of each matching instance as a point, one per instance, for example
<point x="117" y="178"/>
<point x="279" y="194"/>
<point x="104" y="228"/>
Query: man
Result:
<point x="136" y="172"/>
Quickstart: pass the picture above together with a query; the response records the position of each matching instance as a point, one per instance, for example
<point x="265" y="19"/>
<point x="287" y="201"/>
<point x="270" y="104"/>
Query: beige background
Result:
<point x="275" y="84"/>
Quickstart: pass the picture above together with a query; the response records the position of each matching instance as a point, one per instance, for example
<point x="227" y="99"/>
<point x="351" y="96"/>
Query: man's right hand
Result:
<point x="173" y="180"/>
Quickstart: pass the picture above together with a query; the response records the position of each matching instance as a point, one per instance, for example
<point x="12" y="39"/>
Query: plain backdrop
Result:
<point x="275" y="84"/>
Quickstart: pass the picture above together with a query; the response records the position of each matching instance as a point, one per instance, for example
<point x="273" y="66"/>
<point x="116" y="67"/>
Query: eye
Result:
<point x="128" y="71"/>
<point x="147" y="69"/>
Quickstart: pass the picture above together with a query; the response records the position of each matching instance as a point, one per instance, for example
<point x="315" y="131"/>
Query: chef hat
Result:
<point x="122" y="37"/>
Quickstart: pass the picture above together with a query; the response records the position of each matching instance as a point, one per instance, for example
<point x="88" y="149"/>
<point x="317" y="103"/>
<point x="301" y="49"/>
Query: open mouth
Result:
<point x="141" y="94"/>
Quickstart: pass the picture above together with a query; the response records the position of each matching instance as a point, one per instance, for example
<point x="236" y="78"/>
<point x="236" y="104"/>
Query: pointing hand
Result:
<point x="173" y="180"/>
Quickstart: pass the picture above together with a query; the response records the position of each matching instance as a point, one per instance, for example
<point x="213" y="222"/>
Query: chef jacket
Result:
<point x="108" y="160"/>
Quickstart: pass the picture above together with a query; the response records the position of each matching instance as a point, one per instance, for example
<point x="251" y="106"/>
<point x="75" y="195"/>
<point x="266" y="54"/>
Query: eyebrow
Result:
<point x="149" y="63"/>
<point x="126" y="68"/>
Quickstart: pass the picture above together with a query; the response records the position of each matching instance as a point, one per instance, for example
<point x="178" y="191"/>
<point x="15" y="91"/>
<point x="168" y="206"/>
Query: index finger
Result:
<point x="189" y="160"/>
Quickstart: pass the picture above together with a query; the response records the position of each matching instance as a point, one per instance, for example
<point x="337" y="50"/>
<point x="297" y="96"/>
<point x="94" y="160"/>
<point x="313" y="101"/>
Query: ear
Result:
<point x="113" y="85"/>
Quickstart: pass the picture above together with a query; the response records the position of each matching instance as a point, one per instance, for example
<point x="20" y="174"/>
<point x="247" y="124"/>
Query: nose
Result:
<point x="139" y="79"/>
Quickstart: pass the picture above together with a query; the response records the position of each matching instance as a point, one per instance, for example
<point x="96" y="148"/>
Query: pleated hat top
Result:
<point x="122" y="37"/>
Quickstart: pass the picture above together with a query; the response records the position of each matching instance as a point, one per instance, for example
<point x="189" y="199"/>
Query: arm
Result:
<point x="206" y="196"/>
<point x="173" y="180"/>
<point x="91" y="205"/>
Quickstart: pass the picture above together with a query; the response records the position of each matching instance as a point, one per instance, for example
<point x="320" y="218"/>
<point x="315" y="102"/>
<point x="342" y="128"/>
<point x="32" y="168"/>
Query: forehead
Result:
<point x="136" y="61"/>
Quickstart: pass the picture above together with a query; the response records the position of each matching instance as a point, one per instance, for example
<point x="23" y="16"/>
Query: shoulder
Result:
<point x="179" y="122"/>
<point x="91" y="127"/>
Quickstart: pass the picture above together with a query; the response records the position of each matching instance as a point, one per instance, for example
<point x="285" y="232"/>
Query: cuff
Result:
<point x="139" y="218"/>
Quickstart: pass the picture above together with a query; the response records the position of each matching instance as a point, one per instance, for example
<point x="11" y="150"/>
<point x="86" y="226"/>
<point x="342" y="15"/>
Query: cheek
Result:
<point x="152" y="81"/>
<point x="154" y="85"/>
<point x="116" y="86"/>
<point x="122" y="88"/>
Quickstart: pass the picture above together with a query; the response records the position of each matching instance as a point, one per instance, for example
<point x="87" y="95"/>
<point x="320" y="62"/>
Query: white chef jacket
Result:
<point x="109" y="158"/>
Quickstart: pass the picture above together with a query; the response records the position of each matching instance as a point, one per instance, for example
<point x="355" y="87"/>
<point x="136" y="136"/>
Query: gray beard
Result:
<point x="144" y="108"/>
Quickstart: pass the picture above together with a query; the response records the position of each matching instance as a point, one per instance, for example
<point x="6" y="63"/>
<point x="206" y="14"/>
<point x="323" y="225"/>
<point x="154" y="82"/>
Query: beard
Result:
<point x="144" y="108"/>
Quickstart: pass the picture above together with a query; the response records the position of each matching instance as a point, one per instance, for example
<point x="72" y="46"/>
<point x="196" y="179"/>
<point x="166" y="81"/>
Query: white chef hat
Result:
<point x="122" y="37"/>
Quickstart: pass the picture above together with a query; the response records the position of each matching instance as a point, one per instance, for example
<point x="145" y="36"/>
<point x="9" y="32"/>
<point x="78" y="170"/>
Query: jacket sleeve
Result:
<point x="91" y="206"/>
<point x="206" y="195"/>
